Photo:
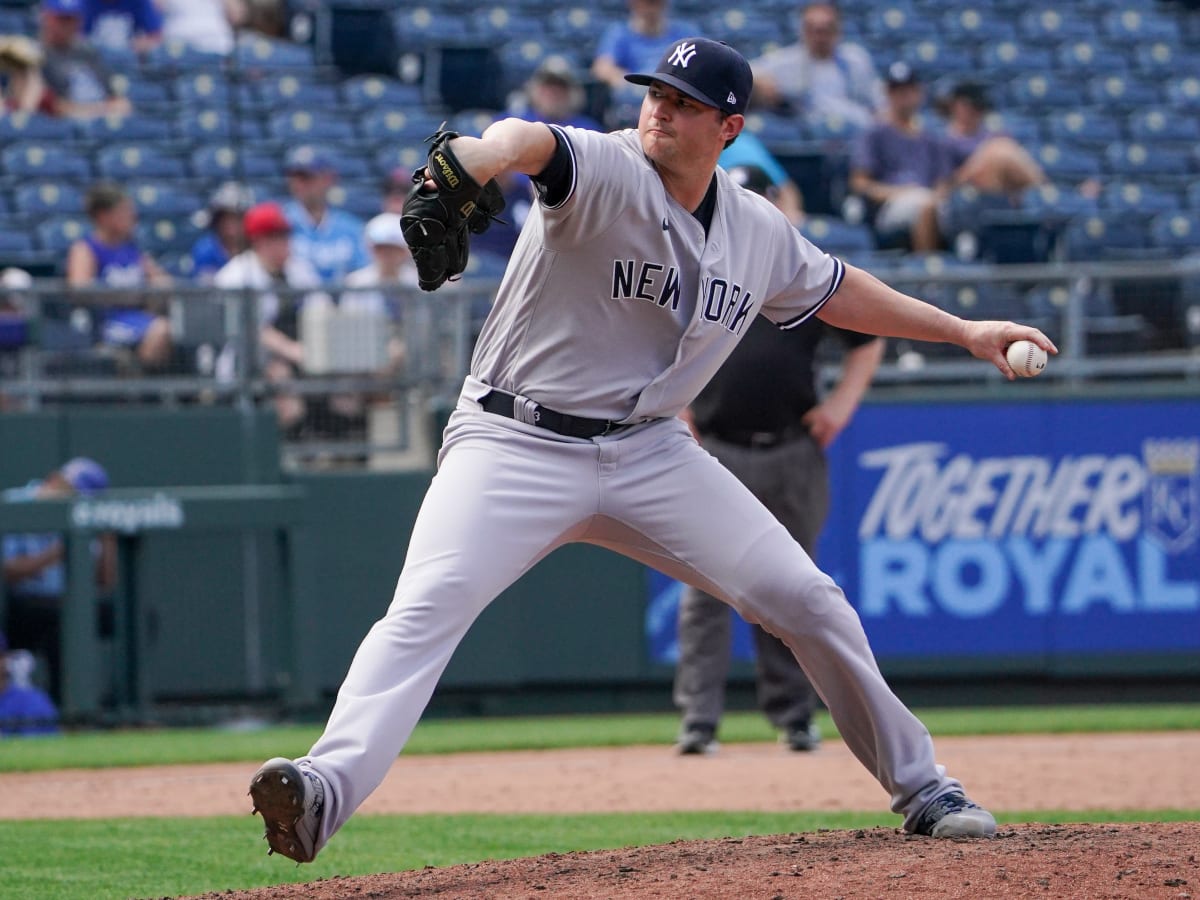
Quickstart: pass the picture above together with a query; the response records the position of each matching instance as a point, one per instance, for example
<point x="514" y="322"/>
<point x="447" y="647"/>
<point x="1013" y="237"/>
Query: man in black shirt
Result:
<point x="761" y="418"/>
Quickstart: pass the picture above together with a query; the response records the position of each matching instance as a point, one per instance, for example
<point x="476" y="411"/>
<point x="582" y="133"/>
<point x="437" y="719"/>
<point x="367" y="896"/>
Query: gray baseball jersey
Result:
<point x="616" y="305"/>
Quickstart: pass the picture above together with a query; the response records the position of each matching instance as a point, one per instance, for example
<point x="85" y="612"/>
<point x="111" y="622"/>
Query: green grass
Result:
<point x="101" y="749"/>
<point x="54" y="860"/>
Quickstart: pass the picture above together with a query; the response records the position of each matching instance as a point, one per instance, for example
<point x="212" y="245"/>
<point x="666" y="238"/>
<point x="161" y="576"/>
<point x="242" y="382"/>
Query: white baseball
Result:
<point x="1026" y="358"/>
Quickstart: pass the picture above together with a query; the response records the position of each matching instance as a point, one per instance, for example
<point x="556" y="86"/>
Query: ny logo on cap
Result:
<point x="683" y="54"/>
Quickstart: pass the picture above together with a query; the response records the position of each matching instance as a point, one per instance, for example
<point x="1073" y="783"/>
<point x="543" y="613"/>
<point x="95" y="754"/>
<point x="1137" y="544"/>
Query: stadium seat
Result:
<point x="1054" y="25"/>
<point x="1055" y="202"/>
<point x="179" y="57"/>
<point x="412" y="124"/>
<point x="1159" y="58"/>
<point x="47" y="198"/>
<point x="291" y="91"/>
<point x="892" y="23"/>
<point x="19" y="126"/>
<point x="1083" y="58"/>
<point x="773" y="129"/>
<point x="1125" y="93"/>
<point x="1139" y="199"/>
<point x="149" y="97"/>
<point x="164" y="198"/>
<point x="1042" y="92"/>
<point x="1091" y="129"/>
<point x="57" y="233"/>
<point x="421" y="25"/>
<point x="472" y="122"/>
<point x="500" y="23"/>
<point x="222" y="161"/>
<point x="161" y="235"/>
<point x="836" y="236"/>
<point x="305" y="126"/>
<point x="1184" y="93"/>
<point x="1102" y="236"/>
<point x="35" y="159"/>
<point x="1128" y="26"/>
<point x="1067" y="162"/>
<point x="1162" y="124"/>
<point x="578" y="26"/>
<point x="739" y="26"/>
<point x="202" y="89"/>
<point x="1138" y="160"/>
<point x="123" y="161"/>
<point x="935" y="58"/>
<point x="363" y="198"/>
<point x="1002" y="59"/>
<point x="15" y="244"/>
<point x="364" y="92"/>
<point x="395" y="155"/>
<point x="105" y="129"/>
<point x="978" y="22"/>
<point x="216" y="123"/>
<point x="1178" y="232"/>
<point x="256" y="53"/>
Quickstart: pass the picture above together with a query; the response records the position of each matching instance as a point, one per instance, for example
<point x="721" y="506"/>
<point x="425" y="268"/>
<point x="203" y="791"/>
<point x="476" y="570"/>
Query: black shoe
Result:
<point x="697" y="739"/>
<point x="802" y="736"/>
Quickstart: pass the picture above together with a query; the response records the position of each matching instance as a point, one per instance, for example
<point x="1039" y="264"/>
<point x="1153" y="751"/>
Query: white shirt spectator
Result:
<point x="201" y="24"/>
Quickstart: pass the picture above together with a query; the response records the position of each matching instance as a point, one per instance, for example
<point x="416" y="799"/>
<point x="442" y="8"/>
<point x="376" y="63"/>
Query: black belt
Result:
<point x="504" y="404"/>
<point x="761" y="439"/>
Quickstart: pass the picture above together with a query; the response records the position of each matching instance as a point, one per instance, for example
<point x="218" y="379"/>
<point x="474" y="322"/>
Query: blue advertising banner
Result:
<point x="1034" y="530"/>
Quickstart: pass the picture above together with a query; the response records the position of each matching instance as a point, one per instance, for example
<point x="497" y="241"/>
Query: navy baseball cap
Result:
<point x="709" y="71"/>
<point x="85" y="475"/>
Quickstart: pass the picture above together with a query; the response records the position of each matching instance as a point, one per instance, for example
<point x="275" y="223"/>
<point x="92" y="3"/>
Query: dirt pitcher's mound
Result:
<point x="1141" y="861"/>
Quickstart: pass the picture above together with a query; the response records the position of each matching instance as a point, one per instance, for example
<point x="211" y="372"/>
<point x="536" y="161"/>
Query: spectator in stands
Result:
<point x="390" y="273"/>
<point x="821" y="75"/>
<point x="267" y="264"/>
<point x="897" y="165"/>
<point x="25" y="88"/>
<point x="120" y="25"/>
<point x="109" y="257"/>
<point x="748" y="153"/>
<point x="35" y="575"/>
<point x="24" y="708"/>
<point x="205" y="25"/>
<point x="990" y="161"/>
<point x="330" y="239"/>
<point x="395" y="190"/>
<point x="635" y="45"/>
<point x="82" y="84"/>
<point x="225" y="236"/>
<point x="553" y="94"/>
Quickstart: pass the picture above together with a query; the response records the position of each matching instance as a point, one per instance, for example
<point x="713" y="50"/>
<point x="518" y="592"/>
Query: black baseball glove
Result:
<point x="436" y="222"/>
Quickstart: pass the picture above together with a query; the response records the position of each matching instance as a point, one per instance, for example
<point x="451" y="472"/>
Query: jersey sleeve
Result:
<point x="808" y="278"/>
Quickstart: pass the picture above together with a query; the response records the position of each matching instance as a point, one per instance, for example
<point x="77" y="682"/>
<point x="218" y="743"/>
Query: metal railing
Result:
<point x="373" y="381"/>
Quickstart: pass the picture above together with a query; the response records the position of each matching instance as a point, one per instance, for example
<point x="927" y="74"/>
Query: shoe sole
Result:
<point x="698" y="749"/>
<point x="969" y="823"/>
<point x="277" y="790"/>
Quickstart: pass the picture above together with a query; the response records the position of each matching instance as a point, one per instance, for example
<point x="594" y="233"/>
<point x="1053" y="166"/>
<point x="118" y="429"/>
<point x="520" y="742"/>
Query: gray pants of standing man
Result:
<point x="791" y="479"/>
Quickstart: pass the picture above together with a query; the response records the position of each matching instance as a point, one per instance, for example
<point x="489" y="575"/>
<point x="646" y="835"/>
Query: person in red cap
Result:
<point x="266" y="266"/>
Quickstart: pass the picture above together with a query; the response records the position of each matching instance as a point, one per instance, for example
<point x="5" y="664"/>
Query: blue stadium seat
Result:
<point x="1066" y="162"/>
<point x="47" y="198"/>
<point x="1082" y="58"/>
<point x="837" y="236"/>
<point x="1127" y="26"/>
<point x="1160" y="58"/>
<point x="774" y="130"/>
<point x="892" y="23"/>
<point x="405" y="124"/>
<point x="1053" y="25"/>
<point x="1162" y="124"/>
<point x="161" y="235"/>
<point x="1055" y="202"/>
<point x="499" y="23"/>
<point x="1137" y="160"/>
<point x="739" y="26"/>
<point x="258" y="53"/>
<point x="293" y="91"/>
<point x="202" y="88"/>
<point x="178" y="57"/>
<point x="935" y="58"/>
<point x="35" y="159"/>
<point x="20" y="126"/>
<point x="222" y="161"/>
<point x="1025" y="130"/>
<point x="579" y="27"/>
<point x="979" y="22"/>
<point x="57" y="233"/>
<point x="1184" y="93"/>
<point x="1103" y="236"/>
<point x="405" y="157"/>
<point x="1124" y="93"/>
<point x="305" y="126"/>
<point x="123" y="161"/>
<point x="364" y="199"/>
<point x="472" y="122"/>
<point x="421" y="25"/>
<point x="1044" y="91"/>
<point x="164" y="198"/>
<point x="149" y="96"/>
<point x="1001" y="59"/>
<point x="217" y="124"/>
<point x="1092" y="129"/>
<point x="15" y="244"/>
<point x="521" y="56"/>
<point x="364" y="92"/>
<point x="128" y="128"/>
<point x="1140" y="199"/>
<point x="1178" y="232"/>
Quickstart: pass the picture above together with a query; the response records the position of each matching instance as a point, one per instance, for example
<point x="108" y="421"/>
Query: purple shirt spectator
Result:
<point x="893" y="156"/>
<point x="121" y="24"/>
